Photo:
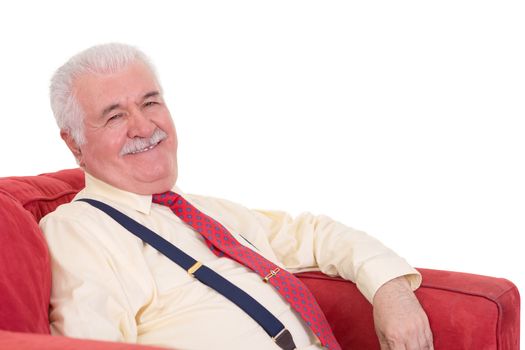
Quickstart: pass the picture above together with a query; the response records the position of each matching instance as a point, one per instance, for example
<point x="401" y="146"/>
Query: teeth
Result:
<point x="143" y="144"/>
<point x="144" y="149"/>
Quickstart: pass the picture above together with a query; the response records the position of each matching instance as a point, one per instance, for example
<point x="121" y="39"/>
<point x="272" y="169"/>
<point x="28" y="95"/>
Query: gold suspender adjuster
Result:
<point x="271" y="274"/>
<point x="194" y="267"/>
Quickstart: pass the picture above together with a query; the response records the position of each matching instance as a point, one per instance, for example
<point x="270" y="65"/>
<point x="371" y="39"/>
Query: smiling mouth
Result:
<point x="146" y="149"/>
<point x="138" y="145"/>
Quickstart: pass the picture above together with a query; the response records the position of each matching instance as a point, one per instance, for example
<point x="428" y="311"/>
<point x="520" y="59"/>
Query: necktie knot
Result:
<point x="167" y="198"/>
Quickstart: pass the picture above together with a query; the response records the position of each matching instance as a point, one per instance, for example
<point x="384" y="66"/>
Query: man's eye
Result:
<point x="115" y="117"/>
<point x="150" y="103"/>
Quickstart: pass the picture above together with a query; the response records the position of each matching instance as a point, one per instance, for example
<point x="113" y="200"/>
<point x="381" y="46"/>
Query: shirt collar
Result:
<point x="139" y="202"/>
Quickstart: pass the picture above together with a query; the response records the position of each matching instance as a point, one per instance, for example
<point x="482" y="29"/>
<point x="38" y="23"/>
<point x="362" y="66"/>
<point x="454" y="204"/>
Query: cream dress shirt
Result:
<point x="109" y="285"/>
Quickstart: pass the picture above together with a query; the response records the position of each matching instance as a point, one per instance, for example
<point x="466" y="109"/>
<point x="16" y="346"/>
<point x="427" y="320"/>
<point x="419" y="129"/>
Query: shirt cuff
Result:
<point x="373" y="274"/>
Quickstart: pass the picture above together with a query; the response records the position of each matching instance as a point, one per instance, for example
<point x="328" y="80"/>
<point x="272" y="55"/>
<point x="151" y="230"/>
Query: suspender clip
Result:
<point x="284" y="340"/>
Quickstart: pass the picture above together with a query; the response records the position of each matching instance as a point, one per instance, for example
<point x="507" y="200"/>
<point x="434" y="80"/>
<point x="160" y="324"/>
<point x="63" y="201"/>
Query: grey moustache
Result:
<point x="140" y="143"/>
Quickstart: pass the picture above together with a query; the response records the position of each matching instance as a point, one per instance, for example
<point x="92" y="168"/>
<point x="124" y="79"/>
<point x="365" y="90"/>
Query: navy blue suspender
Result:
<point x="252" y="307"/>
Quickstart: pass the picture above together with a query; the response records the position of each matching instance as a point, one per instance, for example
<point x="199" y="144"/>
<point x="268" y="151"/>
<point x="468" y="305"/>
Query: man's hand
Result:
<point x="400" y="321"/>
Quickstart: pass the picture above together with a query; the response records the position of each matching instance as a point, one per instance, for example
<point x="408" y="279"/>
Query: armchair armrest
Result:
<point x="465" y="311"/>
<point x="29" y="341"/>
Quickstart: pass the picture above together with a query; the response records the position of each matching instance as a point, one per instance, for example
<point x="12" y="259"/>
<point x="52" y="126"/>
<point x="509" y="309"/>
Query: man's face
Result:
<point x="130" y="138"/>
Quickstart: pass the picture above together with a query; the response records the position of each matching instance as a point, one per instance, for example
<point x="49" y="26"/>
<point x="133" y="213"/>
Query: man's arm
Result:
<point x="384" y="278"/>
<point x="319" y="242"/>
<point x="87" y="299"/>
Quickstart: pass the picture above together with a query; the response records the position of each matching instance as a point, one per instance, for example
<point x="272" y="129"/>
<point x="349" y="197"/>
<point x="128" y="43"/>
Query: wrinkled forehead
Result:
<point x="96" y="90"/>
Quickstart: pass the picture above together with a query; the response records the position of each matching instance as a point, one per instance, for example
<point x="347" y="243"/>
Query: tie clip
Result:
<point x="271" y="274"/>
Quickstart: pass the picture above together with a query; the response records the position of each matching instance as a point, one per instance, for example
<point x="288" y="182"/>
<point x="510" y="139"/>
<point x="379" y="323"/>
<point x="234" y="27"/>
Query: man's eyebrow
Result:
<point x="151" y="94"/>
<point x="110" y="108"/>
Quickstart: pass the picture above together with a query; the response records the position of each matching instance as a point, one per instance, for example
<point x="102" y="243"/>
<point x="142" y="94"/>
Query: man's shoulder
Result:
<point x="71" y="210"/>
<point x="76" y="212"/>
<point x="68" y="213"/>
<point x="79" y="221"/>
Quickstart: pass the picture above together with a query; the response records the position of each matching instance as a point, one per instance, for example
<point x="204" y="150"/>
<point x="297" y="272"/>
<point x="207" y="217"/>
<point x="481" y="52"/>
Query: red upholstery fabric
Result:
<point x="42" y="194"/>
<point x="465" y="311"/>
<point x="25" y="281"/>
<point x="23" y="341"/>
<point x="478" y="312"/>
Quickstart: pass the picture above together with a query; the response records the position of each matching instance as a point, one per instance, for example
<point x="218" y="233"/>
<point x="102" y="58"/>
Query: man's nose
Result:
<point x="139" y="124"/>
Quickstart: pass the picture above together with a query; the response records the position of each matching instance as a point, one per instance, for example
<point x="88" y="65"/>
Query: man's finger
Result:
<point x="424" y="339"/>
<point x="398" y="346"/>
<point x="429" y="339"/>
<point x="416" y="342"/>
<point x="383" y="345"/>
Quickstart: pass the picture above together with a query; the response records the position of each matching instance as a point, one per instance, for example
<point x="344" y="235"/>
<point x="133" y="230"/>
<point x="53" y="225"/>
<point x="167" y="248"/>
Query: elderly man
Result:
<point x="109" y="284"/>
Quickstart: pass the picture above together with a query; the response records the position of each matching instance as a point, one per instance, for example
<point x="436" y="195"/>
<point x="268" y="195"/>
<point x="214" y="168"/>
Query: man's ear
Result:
<point x="72" y="145"/>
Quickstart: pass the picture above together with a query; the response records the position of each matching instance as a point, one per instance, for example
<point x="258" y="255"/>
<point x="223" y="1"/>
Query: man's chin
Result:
<point x="141" y="178"/>
<point x="153" y="184"/>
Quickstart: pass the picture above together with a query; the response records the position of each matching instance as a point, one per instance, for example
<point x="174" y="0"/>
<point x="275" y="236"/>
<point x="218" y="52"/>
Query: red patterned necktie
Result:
<point x="220" y="241"/>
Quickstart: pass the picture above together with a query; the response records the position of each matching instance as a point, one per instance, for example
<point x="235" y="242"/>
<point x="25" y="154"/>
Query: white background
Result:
<point x="404" y="119"/>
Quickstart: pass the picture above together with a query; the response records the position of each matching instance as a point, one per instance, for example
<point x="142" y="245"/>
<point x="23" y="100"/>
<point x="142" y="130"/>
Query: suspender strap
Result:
<point x="259" y="313"/>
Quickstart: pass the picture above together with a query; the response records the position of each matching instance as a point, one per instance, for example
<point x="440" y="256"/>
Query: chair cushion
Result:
<point x="41" y="194"/>
<point x="25" y="275"/>
<point x="25" y="280"/>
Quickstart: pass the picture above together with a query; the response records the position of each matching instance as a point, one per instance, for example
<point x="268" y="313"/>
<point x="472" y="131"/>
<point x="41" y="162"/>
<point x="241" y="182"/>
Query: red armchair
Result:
<point x="466" y="311"/>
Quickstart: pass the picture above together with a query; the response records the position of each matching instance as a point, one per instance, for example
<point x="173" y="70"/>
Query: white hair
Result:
<point x="99" y="59"/>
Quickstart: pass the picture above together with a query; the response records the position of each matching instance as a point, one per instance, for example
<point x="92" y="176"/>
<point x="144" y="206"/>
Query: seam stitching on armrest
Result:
<point x="50" y="199"/>
<point x="457" y="290"/>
